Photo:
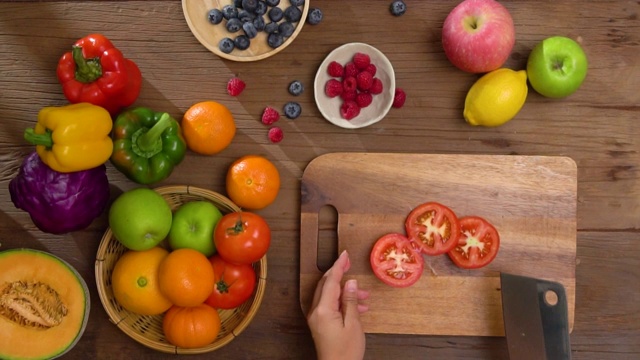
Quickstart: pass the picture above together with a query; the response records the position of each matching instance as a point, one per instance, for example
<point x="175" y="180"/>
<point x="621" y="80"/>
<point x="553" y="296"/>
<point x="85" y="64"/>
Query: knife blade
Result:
<point x="535" y="318"/>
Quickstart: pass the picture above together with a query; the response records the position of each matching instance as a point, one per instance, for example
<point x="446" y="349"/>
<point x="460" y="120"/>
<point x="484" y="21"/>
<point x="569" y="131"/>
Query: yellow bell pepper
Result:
<point x="73" y="137"/>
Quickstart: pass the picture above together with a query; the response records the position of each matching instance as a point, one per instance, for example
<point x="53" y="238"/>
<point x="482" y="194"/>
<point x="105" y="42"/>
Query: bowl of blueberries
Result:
<point x="247" y="30"/>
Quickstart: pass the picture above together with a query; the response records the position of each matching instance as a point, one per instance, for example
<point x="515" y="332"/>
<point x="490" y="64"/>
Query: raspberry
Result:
<point x="350" y="70"/>
<point x="371" y="69"/>
<point x="270" y="115"/>
<point x="364" y="81"/>
<point x="275" y="134"/>
<point x="348" y="95"/>
<point x="349" y="110"/>
<point x="235" y="86"/>
<point x="361" y="60"/>
<point x="364" y="99"/>
<point x="376" y="86"/>
<point x="333" y="88"/>
<point x="399" y="98"/>
<point x="350" y="84"/>
<point x="335" y="69"/>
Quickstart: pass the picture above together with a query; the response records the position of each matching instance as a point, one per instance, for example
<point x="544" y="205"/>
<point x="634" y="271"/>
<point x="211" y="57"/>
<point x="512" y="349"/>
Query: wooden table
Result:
<point x="598" y="127"/>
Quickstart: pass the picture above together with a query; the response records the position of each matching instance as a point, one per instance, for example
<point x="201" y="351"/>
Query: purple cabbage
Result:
<point x="59" y="203"/>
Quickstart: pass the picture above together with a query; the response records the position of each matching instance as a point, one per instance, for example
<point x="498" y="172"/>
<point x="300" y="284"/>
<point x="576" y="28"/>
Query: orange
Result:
<point x="186" y="277"/>
<point x="191" y="327"/>
<point x="253" y="182"/>
<point x="208" y="127"/>
<point x="134" y="281"/>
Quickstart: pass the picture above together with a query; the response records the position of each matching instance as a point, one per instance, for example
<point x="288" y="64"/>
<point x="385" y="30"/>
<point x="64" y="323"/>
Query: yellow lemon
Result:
<point x="496" y="97"/>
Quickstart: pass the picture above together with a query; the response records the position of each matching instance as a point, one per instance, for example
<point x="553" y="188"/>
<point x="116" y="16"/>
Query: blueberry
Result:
<point x="292" y="14"/>
<point x="261" y="9"/>
<point x="258" y="23"/>
<point x="242" y="42"/>
<point x="215" y="16"/>
<point x="398" y="7"/>
<point x="250" y="5"/>
<point x="229" y="12"/>
<point x="234" y="25"/>
<point x="286" y="29"/>
<point x="292" y="110"/>
<point x="226" y="45"/>
<point x="276" y="14"/>
<point x="314" y="17"/>
<point x="273" y="3"/>
<point x="296" y="88"/>
<point x="249" y="30"/>
<point x="275" y="40"/>
<point x="271" y="27"/>
<point x="297" y="2"/>
<point x="237" y="3"/>
<point x="245" y="16"/>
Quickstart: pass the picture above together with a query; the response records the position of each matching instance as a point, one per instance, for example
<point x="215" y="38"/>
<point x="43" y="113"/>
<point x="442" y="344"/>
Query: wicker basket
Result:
<point x="147" y="330"/>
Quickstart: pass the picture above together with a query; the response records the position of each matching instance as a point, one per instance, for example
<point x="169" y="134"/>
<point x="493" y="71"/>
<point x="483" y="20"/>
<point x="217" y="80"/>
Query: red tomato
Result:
<point x="234" y="283"/>
<point x="433" y="227"/>
<point x="242" y="237"/>
<point x="395" y="261"/>
<point x="478" y="244"/>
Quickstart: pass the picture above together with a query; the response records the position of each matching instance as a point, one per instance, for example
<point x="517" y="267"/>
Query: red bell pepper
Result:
<point x="96" y="72"/>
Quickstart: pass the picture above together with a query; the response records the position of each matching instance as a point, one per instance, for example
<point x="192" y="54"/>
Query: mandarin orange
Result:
<point x="186" y="277"/>
<point x="253" y="182"/>
<point x="208" y="127"/>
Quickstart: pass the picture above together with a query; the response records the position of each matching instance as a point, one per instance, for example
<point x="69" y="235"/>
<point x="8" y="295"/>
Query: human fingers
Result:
<point x="329" y="294"/>
<point x="350" y="302"/>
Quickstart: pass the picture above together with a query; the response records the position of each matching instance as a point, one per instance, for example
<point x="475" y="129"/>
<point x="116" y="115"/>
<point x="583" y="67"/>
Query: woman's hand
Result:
<point x="334" y="317"/>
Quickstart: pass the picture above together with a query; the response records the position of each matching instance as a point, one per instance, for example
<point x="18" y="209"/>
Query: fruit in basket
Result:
<point x="134" y="281"/>
<point x="478" y="35"/>
<point x="242" y="237"/>
<point x="496" y="97"/>
<point x="44" y="305"/>
<point x="191" y="327"/>
<point x="186" y="277"/>
<point x="253" y="182"/>
<point x="140" y="219"/>
<point x="556" y="67"/>
<point x="208" y="127"/>
<point x="192" y="227"/>
<point x="234" y="283"/>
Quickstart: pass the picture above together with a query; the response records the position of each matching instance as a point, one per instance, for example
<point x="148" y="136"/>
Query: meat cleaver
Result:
<point x="535" y="318"/>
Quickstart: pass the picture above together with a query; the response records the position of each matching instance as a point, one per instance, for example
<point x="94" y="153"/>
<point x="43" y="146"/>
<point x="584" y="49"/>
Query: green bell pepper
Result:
<point x="147" y="145"/>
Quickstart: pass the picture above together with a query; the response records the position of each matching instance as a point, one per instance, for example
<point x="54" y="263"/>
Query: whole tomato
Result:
<point x="234" y="283"/>
<point x="242" y="237"/>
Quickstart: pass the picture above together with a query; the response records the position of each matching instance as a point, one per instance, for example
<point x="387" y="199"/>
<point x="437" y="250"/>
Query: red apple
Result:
<point x="478" y="35"/>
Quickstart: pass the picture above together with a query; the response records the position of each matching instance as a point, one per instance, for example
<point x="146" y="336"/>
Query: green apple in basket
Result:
<point x="193" y="225"/>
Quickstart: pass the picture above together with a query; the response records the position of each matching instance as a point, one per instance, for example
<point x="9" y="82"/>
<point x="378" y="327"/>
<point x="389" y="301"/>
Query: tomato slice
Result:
<point x="395" y="261"/>
<point x="478" y="243"/>
<point x="433" y="227"/>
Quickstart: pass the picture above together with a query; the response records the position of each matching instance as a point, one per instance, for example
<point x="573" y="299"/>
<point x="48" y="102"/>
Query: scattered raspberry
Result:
<point x="364" y="99"/>
<point x="348" y="95"/>
<point x="350" y="84"/>
<point x="371" y="69"/>
<point x="335" y="69"/>
<point x="349" y="110"/>
<point x="275" y="134"/>
<point x="361" y="60"/>
<point x="350" y="70"/>
<point x="235" y="86"/>
<point x="364" y="81"/>
<point x="399" y="98"/>
<point x="270" y="115"/>
<point x="376" y="86"/>
<point x="333" y="88"/>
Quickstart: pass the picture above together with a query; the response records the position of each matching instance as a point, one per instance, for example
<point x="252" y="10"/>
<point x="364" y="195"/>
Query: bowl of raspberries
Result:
<point x="354" y="86"/>
<point x="245" y="30"/>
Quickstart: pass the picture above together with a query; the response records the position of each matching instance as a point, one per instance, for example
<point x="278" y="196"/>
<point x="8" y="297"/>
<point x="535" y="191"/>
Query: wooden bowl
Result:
<point x="330" y="107"/>
<point x="209" y="35"/>
<point x="146" y="329"/>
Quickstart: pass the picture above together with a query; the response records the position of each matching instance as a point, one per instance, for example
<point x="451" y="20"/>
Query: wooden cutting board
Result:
<point x="531" y="200"/>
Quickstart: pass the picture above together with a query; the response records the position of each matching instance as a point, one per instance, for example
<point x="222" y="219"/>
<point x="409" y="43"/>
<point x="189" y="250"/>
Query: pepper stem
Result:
<point x="87" y="70"/>
<point x="149" y="143"/>
<point x="39" y="139"/>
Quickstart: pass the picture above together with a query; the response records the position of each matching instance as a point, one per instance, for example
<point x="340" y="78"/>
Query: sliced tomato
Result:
<point x="478" y="243"/>
<point x="433" y="227"/>
<point x="395" y="261"/>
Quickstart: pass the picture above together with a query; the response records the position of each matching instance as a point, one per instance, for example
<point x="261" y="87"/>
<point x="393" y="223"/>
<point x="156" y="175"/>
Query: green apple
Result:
<point x="556" y="67"/>
<point x="193" y="225"/>
<point x="140" y="219"/>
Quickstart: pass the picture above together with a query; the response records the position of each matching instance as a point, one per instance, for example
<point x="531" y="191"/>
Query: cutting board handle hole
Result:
<point x="327" y="237"/>
<point x="551" y="298"/>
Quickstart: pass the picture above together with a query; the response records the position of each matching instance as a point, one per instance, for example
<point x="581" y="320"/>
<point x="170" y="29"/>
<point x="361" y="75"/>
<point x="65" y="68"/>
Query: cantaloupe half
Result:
<point x="44" y="305"/>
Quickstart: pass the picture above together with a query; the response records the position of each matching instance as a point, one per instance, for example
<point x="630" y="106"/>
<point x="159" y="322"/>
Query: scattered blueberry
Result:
<point x="296" y="88"/>
<point x="226" y="45"/>
<point x="292" y="110"/>
<point x="234" y="25"/>
<point x="229" y="12"/>
<point x="245" y="16"/>
<point x="273" y="3"/>
<point x="296" y="2"/>
<point x="215" y="16"/>
<point x="314" y="17"/>
<point x="237" y="3"/>
<point x="250" y="5"/>
<point x="286" y="28"/>
<point x="398" y="7"/>
<point x="242" y="42"/>
<point x="262" y="8"/>
<point x="271" y="27"/>
<point x="276" y="14"/>
<point x="258" y="23"/>
<point x="292" y="14"/>
<point x="250" y="30"/>
<point x="275" y="40"/>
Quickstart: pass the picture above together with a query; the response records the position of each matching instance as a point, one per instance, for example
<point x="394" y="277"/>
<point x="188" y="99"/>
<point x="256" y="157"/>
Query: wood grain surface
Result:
<point x="597" y="127"/>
